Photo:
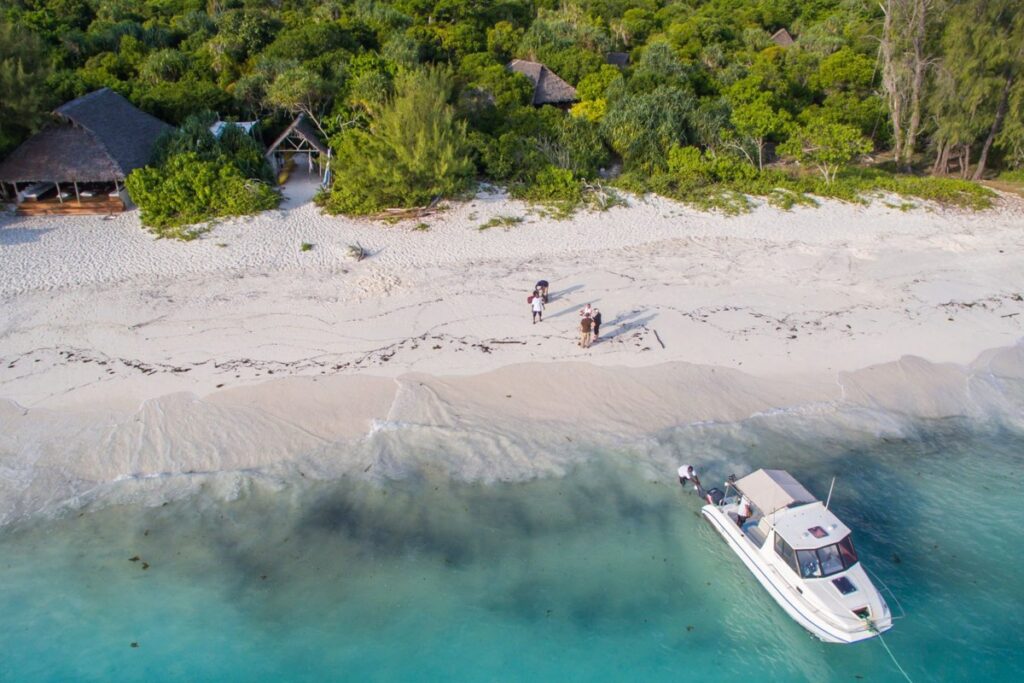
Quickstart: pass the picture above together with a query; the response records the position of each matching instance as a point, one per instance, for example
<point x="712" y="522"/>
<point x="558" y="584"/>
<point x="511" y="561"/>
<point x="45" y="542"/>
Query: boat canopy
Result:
<point x="771" y="490"/>
<point x="810" y="526"/>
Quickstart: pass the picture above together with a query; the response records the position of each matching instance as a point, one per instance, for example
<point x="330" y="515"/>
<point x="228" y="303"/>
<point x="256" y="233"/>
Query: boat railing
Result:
<point x="888" y="591"/>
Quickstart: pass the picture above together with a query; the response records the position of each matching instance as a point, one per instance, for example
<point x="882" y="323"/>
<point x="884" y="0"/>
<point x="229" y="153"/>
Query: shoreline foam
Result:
<point x="510" y="424"/>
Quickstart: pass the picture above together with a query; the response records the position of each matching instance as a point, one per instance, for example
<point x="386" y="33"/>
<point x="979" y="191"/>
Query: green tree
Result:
<point x="980" y="79"/>
<point x="502" y="39"/>
<point x="827" y="146"/>
<point x="642" y="128"/>
<point x="906" y="51"/>
<point x="23" y="73"/>
<point x="164" y="65"/>
<point x="634" y="26"/>
<point x="413" y="151"/>
<point x="301" y="90"/>
<point x="756" y="121"/>
<point x="592" y="92"/>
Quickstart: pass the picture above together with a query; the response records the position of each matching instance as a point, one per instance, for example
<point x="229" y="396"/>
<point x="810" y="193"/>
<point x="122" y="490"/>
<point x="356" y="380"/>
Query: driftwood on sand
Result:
<point x="401" y="214"/>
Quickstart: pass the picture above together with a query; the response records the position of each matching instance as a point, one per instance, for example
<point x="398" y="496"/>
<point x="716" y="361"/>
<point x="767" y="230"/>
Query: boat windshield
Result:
<point x="828" y="560"/>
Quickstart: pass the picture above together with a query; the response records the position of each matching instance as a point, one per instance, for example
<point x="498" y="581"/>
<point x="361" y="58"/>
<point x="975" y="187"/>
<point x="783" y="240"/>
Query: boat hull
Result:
<point x="788" y="598"/>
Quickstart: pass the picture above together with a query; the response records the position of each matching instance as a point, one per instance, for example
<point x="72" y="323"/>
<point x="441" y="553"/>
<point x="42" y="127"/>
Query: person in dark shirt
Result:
<point x="586" y="325"/>
<point x="597" y="323"/>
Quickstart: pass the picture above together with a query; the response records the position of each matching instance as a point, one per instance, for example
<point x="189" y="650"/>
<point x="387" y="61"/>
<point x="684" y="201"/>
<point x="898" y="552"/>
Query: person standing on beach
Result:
<point x="585" y="326"/>
<point x="542" y="287"/>
<point x="597" y="323"/>
<point x="537" y="305"/>
<point x="587" y="311"/>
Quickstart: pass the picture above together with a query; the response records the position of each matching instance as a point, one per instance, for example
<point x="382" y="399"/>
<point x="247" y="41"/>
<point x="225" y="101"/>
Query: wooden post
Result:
<point x="60" y="198"/>
<point x="77" y="197"/>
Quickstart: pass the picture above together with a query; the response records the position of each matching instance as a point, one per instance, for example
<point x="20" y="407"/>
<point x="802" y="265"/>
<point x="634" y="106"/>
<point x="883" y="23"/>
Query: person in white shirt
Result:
<point x="688" y="476"/>
<point x="538" y="307"/>
<point x="743" y="510"/>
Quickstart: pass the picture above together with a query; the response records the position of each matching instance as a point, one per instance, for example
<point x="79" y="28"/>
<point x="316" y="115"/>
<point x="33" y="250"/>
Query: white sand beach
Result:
<point x="239" y="352"/>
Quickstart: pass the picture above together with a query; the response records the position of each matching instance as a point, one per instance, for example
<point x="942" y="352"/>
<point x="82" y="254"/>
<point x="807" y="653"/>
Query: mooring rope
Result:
<point x="889" y="652"/>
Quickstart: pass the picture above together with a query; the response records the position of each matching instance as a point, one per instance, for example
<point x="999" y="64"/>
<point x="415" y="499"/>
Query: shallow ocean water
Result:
<point x="605" y="574"/>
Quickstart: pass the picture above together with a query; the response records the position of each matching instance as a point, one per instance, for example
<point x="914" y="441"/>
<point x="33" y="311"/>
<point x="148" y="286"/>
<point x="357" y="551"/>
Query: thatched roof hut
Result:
<point x="619" y="59"/>
<point x="548" y="88"/>
<point x="782" y="38"/>
<point x="299" y="136"/>
<point x="300" y="140"/>
<point x="100" y="137"/>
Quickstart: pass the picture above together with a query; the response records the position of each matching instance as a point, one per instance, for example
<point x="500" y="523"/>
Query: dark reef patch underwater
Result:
<point x="606" y="573"/>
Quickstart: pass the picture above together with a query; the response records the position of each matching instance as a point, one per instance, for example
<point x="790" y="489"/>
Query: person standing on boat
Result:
<point x="743" y="510"/>
<point x="688" y="476"/>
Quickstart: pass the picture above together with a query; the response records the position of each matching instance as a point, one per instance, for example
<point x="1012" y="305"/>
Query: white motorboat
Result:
<point x="802" y="555"/>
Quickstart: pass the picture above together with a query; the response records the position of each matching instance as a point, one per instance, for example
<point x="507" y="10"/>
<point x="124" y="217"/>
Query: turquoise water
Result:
<point x="605" y="574"/>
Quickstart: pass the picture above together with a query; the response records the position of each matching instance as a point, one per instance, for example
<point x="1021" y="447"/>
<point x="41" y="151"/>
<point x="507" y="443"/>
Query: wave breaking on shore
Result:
<point x="512" y="424"/>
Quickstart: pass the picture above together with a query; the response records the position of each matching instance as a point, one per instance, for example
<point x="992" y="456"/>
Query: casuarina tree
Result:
<point x="412" y="152"/>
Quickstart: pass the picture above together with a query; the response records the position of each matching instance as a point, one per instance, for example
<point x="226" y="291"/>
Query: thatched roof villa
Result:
<point x="78" y="163"/>
<point x="548" y="88"/>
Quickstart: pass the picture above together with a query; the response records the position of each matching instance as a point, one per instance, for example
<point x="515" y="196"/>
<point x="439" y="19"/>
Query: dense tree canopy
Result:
<point x="23" y="72"/>
<point x="939" y="83"/>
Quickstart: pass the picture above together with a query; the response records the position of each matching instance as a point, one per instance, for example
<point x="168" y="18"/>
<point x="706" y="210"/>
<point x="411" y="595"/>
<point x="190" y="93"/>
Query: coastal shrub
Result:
<point x="413" y="152"/>
<point x="196" y="177"/>
<point x="187" y="190"/>
<point x="553" y="184"/>
<point x="723" y="183"/>
<point x="511" y="157"/>
<point x="692" y="167"/>
<point x="1016" y="176"/>
<point x="946" y="191"/>
<point x="501" y="222"/>
<point x="234" y="144"/>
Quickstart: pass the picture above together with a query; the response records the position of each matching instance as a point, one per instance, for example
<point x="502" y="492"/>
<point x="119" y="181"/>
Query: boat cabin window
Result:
<point x="828" y="560"/>
<point x="785" y="551"/>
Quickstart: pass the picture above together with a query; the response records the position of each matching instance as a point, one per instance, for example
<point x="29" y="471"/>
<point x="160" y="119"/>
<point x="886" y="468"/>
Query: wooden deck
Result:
<point x="87" y="206"/>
